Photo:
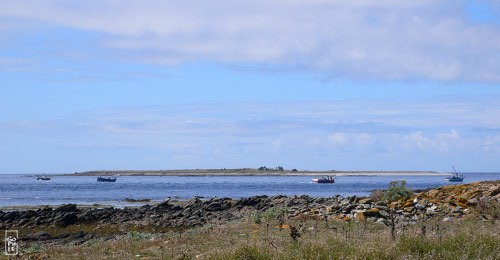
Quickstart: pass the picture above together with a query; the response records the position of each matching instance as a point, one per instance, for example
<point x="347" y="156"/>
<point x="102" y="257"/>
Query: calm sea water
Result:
<point x="17" y="190"/>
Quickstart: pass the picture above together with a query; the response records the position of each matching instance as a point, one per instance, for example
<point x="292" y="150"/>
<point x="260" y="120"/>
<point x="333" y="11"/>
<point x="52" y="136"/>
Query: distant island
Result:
<point x="261" y="171"/>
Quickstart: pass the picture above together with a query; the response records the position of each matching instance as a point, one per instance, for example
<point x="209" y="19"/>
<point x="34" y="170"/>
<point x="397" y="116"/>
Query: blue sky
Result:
<point x="317" y="84"/>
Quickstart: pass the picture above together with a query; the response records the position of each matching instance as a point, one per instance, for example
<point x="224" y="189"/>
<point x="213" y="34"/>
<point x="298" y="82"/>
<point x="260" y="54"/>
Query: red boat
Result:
<point x="324" y="179"/>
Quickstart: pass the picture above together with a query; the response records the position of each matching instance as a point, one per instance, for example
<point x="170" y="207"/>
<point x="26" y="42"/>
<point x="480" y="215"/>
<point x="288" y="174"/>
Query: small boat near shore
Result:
<point x="43" y="178"/>
<point x="106" y="179"/>
<point x="324" y="179"/>
<point x="456" y="177"/>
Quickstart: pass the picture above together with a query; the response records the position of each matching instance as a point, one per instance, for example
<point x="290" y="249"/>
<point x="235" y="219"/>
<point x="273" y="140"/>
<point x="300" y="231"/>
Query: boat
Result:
<point x="324" y="179"/>
<point x="456" y="177"/>
<point x="106" y="179"/>
<point x="43" y="178"/>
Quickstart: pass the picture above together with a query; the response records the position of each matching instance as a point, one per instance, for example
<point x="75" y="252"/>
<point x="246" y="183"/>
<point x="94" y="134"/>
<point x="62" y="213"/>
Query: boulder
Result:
<point x="383" y="213"/>
<point x="493" y="191"/>
<point x="365" y="201"/>
<point x="458" y="210"/>
<point x="360" y="216"/>
<point x="67" y="219"/>
<point x="67" y="208"/>
<point x="372" y="212"/>
<point x="419" y="206"/>
<point x="472" y="202"/>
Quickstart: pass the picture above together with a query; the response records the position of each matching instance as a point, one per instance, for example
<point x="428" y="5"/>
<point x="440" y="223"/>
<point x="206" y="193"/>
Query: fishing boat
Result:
<point x="324" y="179"/>
<point x="456" y="177"/>
<point x="106" y="179"/>
<point x="43" y="178"/>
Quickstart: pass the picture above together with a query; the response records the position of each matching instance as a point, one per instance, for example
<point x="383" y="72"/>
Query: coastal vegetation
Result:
<point x="397" y="190"/>
<point x="450" y="222"/>
<point x="245" y="239"/>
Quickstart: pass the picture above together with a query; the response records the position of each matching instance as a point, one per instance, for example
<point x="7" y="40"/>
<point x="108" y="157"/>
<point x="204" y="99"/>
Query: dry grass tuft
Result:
<point x="318" y="240"/>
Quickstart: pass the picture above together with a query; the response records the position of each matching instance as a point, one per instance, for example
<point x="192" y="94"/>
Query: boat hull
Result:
<point x="104" y="179"/>
<point x="454" y="179"/>
<point x="322" y="181"/>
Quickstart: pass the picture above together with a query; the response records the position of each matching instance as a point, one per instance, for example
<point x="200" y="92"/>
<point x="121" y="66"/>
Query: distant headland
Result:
<point x="261" y="171"/>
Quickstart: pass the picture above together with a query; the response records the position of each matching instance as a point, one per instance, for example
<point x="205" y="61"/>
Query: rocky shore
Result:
<point x="476" y="200"/>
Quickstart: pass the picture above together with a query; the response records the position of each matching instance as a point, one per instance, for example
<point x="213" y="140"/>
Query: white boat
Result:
<point x="43" y="178"/>
<point x="324" y="179"/>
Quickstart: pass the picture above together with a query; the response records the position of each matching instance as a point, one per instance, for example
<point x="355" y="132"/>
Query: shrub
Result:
<point x="274" y="214"/>
<point x="397" y="190"/>
<point x="377" y="195"/>
<point x="257" y="217"/>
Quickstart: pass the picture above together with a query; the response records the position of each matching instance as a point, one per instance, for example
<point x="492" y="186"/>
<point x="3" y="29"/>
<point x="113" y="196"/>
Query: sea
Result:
<point x="26" y="190"/>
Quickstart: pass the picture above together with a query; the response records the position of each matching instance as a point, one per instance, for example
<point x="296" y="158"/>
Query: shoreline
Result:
<point x="196" y="212"/>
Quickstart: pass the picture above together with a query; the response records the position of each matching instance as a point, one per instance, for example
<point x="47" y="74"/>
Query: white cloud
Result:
<point x="380" y="40"/>
<point x="338" y="138"/>
<point x="307" y="135"/>
<point x="440" y="142"/>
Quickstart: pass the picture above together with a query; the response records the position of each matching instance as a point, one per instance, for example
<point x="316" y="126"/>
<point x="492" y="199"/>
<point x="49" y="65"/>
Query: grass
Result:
<point x="245" y="239"/>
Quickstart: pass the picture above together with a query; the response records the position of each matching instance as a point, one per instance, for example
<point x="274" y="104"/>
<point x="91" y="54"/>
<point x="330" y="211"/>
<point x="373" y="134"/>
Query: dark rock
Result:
<point x="251" y="201"/>
<point x="137" y="200"/>
<point x="10" y="215"/>
<point x="194" y="203"/>
<point x="163" y="205"/>
<point x="67" y="208"/>
<point x="493" y="192"/>
<point x="87" y="217"/>
<point x="214" y="206"/>
<point x="39" y="236"/>
<point x="68" y="219"/>
<point x="78" y="238"/>
<point x="218" y="204"/>
<point x="64" y="235"/>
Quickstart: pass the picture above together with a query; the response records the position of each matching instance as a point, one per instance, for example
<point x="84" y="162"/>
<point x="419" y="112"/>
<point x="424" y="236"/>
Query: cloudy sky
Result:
<point x="306" y="84"/>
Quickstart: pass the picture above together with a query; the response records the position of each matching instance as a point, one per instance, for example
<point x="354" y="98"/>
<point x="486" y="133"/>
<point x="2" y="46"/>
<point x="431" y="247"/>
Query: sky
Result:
<point x="305" y="84"/>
